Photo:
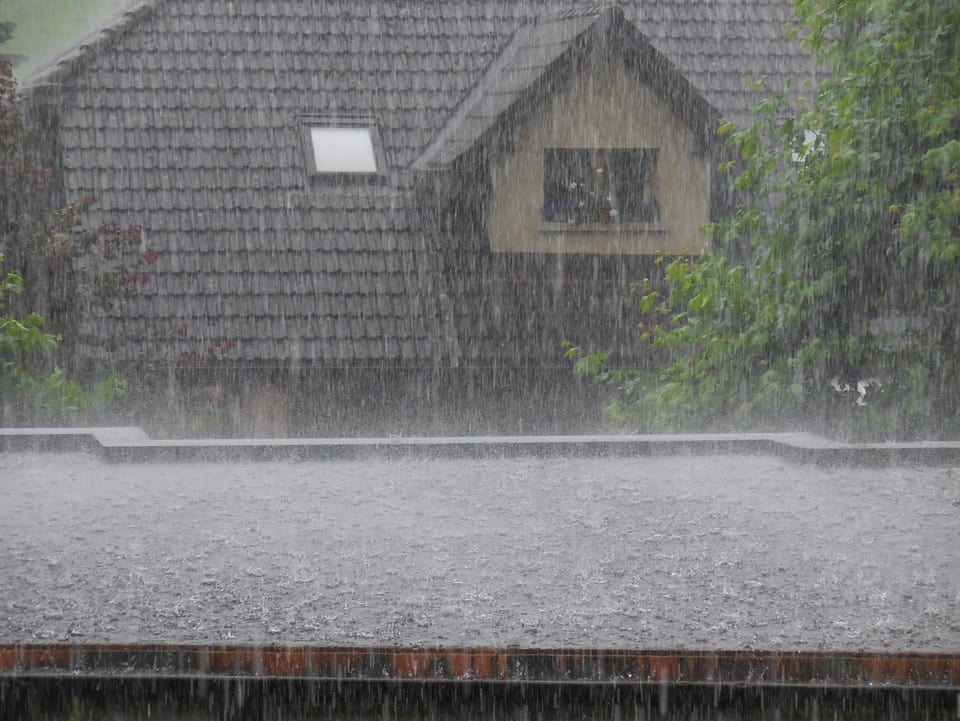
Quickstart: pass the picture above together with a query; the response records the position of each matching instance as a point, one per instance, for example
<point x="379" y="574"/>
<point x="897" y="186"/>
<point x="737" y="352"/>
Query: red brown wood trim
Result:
<point x="488" y="664"/>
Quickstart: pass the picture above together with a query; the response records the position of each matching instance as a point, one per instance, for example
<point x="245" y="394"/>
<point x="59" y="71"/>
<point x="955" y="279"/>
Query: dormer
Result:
<point x="595" y="143"/>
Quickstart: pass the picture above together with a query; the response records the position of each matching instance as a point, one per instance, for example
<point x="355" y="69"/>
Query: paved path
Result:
<point x="695" y="552"/>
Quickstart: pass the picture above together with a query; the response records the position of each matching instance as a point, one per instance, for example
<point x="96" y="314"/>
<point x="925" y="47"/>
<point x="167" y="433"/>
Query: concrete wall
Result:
<point x="601" y="107"/>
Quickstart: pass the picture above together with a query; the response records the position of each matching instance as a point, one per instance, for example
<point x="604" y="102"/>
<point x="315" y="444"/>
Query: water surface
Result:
<point x="695" y="552"/>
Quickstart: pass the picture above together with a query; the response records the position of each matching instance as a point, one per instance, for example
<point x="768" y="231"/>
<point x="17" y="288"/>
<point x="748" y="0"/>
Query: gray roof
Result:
<point x="534" y="47"/>
<point x="522" y="71"/>
<point x="184" y="118"/>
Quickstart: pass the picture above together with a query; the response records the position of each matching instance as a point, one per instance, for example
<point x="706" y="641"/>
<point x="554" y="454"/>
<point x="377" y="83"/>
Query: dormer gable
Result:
<point x="595" y="142"/>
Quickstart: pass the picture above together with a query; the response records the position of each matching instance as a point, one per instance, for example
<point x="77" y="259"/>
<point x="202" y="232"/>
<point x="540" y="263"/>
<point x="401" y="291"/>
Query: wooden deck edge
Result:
<point x="380" y="663"/>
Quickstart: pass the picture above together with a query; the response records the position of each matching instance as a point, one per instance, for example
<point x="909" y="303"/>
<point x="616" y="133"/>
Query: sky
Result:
<point x="45" y="28"/>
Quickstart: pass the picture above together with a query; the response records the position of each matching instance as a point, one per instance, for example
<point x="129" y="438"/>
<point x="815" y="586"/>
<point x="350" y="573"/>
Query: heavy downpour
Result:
<point x="685" y="552"/>
<point x="465" y="336"/>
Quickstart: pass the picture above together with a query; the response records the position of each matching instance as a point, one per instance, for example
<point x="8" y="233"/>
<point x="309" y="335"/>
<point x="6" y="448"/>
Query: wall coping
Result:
<point x="126" y="444"/>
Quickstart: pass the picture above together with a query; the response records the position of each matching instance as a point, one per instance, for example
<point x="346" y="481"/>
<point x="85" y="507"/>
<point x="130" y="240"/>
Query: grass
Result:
<point x="46" y="28"/>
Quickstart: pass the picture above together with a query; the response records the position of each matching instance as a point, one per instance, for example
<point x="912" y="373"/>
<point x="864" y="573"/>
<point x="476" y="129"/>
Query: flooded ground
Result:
<point x="711" y="552"/>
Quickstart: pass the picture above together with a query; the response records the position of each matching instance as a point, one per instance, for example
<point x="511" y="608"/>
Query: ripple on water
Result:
<point x="618" y="552"/>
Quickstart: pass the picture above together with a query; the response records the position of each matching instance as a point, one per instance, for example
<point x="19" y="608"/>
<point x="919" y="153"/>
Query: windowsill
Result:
<point x="609" y="228"/>
<point x="347" y="178"/>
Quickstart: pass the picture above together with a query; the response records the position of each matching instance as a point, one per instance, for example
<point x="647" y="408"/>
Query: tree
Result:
<point x="840" y="271"/>
<point x="59" y="269"/>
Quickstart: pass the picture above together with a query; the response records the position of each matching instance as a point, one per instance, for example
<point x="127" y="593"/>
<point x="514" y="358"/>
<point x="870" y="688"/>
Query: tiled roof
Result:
<point x="525" y="63"/>
<point x="184" y="118"/>
<point x="530" y="52"/>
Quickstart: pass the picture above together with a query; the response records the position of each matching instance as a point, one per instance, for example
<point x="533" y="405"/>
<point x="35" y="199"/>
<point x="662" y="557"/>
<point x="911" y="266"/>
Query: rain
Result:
<point x="687" y="552"/>
<point x="478" y="359"/>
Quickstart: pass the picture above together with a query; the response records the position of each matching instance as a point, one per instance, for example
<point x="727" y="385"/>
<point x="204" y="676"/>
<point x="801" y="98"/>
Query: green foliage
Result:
<point x="843" y="259"/>
<point x="61" y="269"/>
<point x="68" y="264"/>
<point x="40" y="394"/>
<point x="586" y="364"/>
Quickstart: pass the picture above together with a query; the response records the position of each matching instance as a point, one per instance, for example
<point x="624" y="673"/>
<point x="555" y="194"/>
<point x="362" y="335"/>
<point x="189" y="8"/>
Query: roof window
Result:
<point x="337" y="146"/>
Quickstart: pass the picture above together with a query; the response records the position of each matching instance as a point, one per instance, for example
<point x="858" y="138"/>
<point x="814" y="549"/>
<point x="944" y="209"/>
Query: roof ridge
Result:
<point x="595" y="10"/>
<point x="499" y="58"/>
<point x="584" y="20"/>
<point x="67" y="62"/>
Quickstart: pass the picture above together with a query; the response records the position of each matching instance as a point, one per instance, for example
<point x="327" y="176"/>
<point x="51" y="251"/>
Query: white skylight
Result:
<point x="343" y="149"/>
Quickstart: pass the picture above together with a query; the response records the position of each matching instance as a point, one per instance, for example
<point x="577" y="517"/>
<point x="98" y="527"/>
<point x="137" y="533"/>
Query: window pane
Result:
<point x="343" y="150"/>
<point x="599" y="185"/>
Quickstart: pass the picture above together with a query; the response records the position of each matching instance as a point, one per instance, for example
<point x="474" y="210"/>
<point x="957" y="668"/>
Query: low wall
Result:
<point x="132" y="444"/>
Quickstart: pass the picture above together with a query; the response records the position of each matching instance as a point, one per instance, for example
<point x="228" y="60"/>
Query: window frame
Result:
<point x="309" y="122"/>
<point x="556" y="220"/>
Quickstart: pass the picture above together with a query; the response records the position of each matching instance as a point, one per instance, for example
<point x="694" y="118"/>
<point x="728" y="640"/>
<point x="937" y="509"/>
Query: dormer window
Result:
<point x="342" y="147"/>
<point x="599" y="186"/>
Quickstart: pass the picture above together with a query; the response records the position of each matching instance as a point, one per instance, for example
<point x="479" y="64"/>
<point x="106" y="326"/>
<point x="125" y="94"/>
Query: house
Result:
<point x="398" y="210"/>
